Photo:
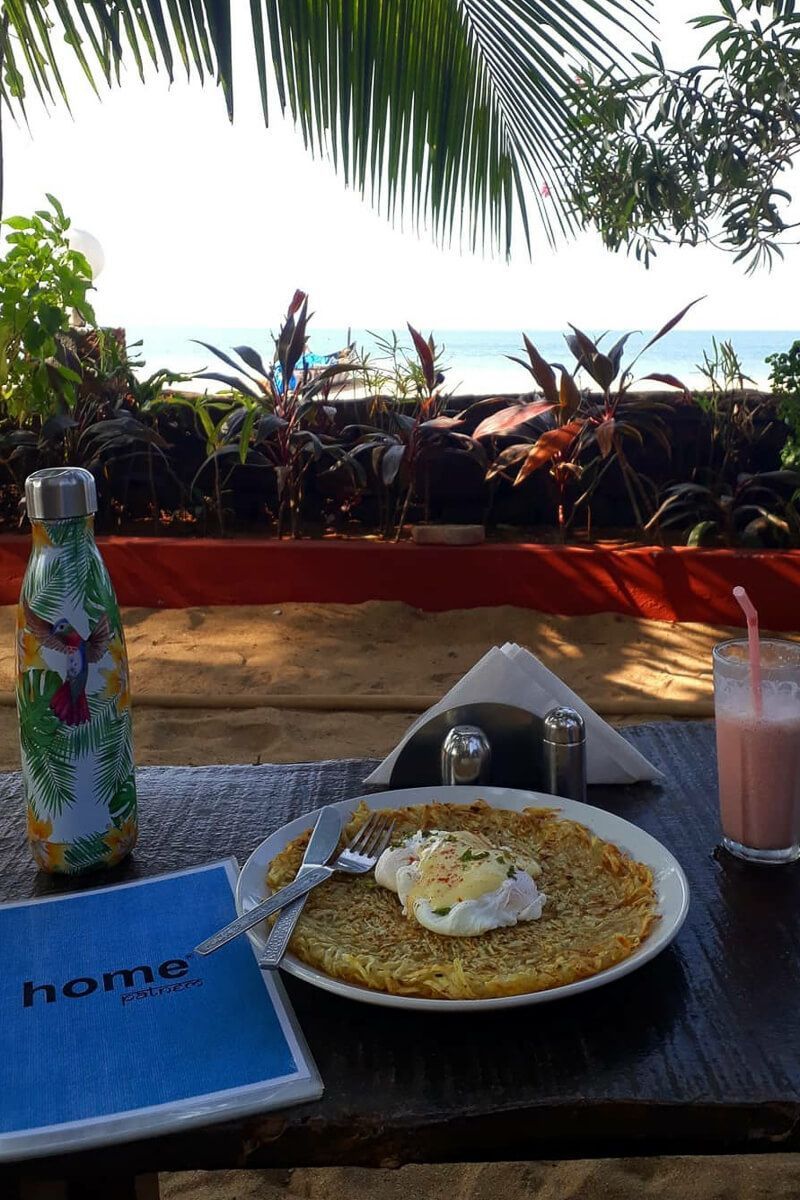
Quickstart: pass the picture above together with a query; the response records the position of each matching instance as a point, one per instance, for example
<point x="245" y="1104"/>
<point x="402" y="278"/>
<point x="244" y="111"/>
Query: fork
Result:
<point x="357" y="858"/>
<point x="359" y="849"/>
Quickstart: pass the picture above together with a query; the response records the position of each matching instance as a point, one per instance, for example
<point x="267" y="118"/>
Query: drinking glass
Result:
<point x="758" y="752"/>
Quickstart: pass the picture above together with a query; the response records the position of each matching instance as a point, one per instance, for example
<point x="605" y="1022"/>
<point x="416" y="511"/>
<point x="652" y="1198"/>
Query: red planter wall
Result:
<point x="669" y="585"/>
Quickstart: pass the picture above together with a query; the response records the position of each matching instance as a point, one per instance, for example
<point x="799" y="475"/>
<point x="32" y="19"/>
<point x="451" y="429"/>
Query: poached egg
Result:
<point x="458" y="883"/>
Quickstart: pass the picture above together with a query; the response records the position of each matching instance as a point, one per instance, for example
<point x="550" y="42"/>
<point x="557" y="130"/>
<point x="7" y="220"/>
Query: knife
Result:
<point x="321" y="847"/>
<point x="328" y="822"/>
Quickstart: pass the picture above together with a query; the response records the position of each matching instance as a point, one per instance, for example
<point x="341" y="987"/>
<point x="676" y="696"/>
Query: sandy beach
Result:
<point x="733" y="1177"/>
<point x="214" y="657"/>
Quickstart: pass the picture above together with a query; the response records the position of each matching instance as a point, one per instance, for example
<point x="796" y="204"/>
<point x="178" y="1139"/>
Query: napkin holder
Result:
<point x="515" y="736"/>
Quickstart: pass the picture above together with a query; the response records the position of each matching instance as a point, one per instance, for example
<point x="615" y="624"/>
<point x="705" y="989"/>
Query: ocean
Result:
<point x="474" y="361"/>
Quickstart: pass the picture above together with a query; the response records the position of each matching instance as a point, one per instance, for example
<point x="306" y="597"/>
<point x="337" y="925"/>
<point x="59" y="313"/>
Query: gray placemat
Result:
<point x="187" y="815"/>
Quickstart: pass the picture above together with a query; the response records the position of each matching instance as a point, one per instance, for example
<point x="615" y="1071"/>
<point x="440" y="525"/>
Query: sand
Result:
<point x="735" y="1177"/>
<point x="376" y="649"/>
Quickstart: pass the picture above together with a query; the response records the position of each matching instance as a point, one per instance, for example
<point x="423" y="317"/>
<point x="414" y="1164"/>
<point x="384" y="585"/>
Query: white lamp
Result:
<point x="87" y="245"/>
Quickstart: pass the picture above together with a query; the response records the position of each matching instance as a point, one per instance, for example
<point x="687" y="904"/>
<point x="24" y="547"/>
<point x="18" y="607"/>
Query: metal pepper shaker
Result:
<point x="564" y="753"/>
<point x="466" y="756"/>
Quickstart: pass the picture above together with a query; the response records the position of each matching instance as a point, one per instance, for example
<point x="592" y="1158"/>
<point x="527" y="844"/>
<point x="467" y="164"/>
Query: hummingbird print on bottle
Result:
<point x="69" y="703"/>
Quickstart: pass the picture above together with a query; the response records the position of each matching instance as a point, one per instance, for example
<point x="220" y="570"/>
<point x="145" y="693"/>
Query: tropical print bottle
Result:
<point x="73" y="698"/>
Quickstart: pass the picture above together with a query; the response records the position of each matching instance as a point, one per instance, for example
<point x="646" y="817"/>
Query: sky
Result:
<point x="203" y="223"/>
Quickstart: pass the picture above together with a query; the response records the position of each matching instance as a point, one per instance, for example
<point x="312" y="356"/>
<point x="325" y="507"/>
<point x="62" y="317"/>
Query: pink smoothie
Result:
<point x="759" y="778"/>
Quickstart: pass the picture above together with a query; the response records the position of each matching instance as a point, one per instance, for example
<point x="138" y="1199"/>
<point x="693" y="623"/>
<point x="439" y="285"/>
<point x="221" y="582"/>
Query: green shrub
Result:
<point x="41" y="282"/>
<point x="784" y="378"/>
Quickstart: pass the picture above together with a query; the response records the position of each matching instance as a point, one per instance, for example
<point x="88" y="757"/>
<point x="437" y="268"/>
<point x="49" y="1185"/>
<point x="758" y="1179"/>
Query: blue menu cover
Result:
<point x="111" y="1028"/>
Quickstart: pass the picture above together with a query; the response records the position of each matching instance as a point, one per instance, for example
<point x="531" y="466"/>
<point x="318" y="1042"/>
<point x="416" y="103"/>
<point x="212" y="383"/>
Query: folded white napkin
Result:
<point x="512" y="675"/>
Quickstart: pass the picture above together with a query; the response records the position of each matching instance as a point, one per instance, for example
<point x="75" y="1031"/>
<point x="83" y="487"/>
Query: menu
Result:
<point x="111" y="1028"/>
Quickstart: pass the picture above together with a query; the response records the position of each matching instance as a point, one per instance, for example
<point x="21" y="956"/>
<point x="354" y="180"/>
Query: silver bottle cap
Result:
<point x="57" y="493"/>
<point x="466" y="756"/>
<point x="564" y="727"/>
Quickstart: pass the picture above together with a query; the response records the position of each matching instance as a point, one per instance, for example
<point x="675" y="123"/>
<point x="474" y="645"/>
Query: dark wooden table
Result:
<point x="698" y="1051"/>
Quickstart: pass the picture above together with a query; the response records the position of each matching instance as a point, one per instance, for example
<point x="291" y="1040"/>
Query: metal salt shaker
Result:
<point x="466" y="756"/>
<point x="564" y="753"/>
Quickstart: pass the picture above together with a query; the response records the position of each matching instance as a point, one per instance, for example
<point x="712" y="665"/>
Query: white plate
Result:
<point x="670" y="882"/>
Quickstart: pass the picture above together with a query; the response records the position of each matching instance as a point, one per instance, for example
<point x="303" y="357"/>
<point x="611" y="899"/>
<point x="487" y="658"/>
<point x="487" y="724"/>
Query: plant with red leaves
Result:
<point x="577" y="435"/>
<point x="280" y="420"/>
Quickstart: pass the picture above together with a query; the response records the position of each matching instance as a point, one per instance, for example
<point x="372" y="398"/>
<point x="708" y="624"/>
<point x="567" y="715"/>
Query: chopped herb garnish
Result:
<point x="450" y="838"/>
<point x="441" y="912"/>
<point x="469" y="856"/>
<point x="511" y="872"/>
<point x="426" y="832"/>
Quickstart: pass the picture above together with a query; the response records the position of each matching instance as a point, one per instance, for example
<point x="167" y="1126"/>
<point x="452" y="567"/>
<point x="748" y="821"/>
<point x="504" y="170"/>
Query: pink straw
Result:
<point x="753" y="645"/>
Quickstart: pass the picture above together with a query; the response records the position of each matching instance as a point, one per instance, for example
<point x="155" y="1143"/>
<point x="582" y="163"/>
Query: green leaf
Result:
<point x="98" y="597"/>
<point x="55" y="204"/>
<point x="86" y="852"/>
<point x="68" y="374"/>
<point x="159" y="25"/>
<point x="105" y="724"/>
<point x="259" y="41"/>
<point x="45" y="757"/>
<point x="246" y="434"/>
<point x="78" y="551"/>
<point x="123" y="806"/>
<point x="45" y="587"/>
<point x="114" y="759"/>
<point x="705" y="533"/>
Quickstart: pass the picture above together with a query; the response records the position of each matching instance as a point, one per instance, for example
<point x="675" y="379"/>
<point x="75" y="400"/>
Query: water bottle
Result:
<point x="73" y="699"/>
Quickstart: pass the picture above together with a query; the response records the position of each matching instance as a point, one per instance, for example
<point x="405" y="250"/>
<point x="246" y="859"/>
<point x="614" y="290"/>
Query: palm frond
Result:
<point x="45" y="587"/>
<point x="104" y="726"/>
<point x="77" y="554"/>
<point x="101" y="35"/>
<point x="98" y="595"/>
<point x="46" y="757"/>
<point x="455" y="107"/>
<point x="114" y="760"/>
<point x="88" y="851"/>
<point x="453" y="110"/>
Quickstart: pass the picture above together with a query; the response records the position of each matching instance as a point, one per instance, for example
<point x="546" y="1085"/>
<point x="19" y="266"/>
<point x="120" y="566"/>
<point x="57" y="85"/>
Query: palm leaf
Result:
<point x="97" y="40"/>
<point x="98" y="595"/>
<point x="452" y="109"/>
<point x="77" y="555"/>
<point x="49" y="767"/>
<point x="114" y="759"/>
<point x="79" y="563"/>
<point x="93" y="736"/>
<point x="86" y="852"/>
<point x="45" y="587"/>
